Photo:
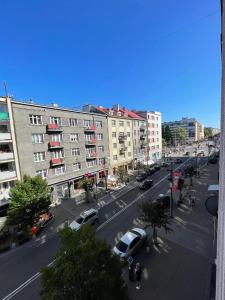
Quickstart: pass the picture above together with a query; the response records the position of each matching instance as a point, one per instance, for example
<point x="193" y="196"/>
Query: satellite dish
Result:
<point x="211" y="205"/>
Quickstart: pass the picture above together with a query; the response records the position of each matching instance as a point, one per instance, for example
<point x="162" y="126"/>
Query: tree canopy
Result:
<point x="207" y="132"/>
<point x="167" y="135"/>
<point x="84" y="268"/>
<point x="121" y="172"/>
<point x="154" y="215"/>
<point x="29" y="198"/>
<point x="181" y="134"/>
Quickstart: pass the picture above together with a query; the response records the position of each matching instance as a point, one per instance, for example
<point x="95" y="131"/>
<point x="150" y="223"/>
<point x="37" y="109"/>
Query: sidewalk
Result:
<point x="180" y="267"/>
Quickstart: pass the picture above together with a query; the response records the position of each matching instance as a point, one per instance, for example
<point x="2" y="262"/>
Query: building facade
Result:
<point x="194" y="129"/>
<point x="154" y="134"/>
<point x="61" y="145"/>
<point x="9" y="164"/>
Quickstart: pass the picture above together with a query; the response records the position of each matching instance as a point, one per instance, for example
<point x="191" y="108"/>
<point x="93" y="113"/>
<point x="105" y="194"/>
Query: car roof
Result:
<point x="88" y="212"/>
<point x="130" y="235"/>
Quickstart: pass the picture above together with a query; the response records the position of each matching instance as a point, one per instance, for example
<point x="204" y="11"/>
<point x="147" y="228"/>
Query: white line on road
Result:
<point x="37" y="275"/>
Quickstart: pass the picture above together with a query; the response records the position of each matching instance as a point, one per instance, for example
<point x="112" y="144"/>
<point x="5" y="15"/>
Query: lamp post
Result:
<point x="171" y="190"/>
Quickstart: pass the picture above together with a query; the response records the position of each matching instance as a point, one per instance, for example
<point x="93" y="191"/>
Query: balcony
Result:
<point x="142" y="137"/>
<point x="56" y="162"/>
<point x="4" y="116"/>
<point x="90" y="128"/>
<point x="6" y="175"/>
<point x="122" y="138"/>
<point x="143" y="146"/>
<point x="92" y="155"/>
<point x="90" y="142"/>
<point x="143" y="128"/>
<point x="54" y="128"/>
<point x="54" y="145"/>
<point x="5" y="137"/>
<point x="6" y="156"/>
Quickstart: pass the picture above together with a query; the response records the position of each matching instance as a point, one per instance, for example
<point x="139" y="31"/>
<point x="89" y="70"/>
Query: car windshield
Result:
<point x="80" y="220"/>
<point x="135" y="232"/>
<point x="121" y="246"/>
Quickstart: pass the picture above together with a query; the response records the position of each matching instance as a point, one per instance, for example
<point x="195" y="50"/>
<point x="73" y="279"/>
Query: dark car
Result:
<point x="187" y="153"/>
<point x="178" y="161"/>
<point x="146" y="184"/>
<point x="165" y="164"/>
<point x="141" y="177"/>
<point x="3" y="209"/>
<point x="157" y="167"/>
<point x="213" y="160"/>
<point x="164" y="200"/>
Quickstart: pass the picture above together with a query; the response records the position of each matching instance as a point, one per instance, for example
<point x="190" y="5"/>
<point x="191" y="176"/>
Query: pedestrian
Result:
<point x="192" y="202"/>
<point x="138" y="275"/>
<point x="131" y="271"/>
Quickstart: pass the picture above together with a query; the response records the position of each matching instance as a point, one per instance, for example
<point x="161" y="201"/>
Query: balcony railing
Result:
<point x="54" y="128"/>
<point x="5" y="175"/>
<point x="92" y="155"/>
<point x="142" y="137"/>
<point x="56" y="161"/>
<point x="90" y="128"/>
<point x="54" y="145"/>
<point x="4" y="156"/>
<point x="142" y="128"/>
<point x="5" y="136"/>
<point x="90" y="142"/>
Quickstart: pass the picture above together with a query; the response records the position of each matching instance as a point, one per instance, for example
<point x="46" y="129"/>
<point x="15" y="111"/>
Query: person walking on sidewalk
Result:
<point x="138" y="275"/>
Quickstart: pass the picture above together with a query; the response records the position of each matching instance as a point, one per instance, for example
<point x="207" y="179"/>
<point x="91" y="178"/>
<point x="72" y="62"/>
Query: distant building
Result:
<point x="193" y="128"/>
<point x="215" y="131"/>
<point x="154" y="134"/>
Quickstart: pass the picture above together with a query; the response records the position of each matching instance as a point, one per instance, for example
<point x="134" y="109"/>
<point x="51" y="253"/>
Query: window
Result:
<point x="101" y="148"/>
<point x="76" y="166"/>
<point x="113" y="123"/>
<point x="37" y="138"/>
<point x="35" y="119"/>
<point x="114" y="134"/>
<point x="128" y="134"/>
<point x="75" y="151"/>
<point x="99" y="136"/>
<point x="87" y="123"/>
<point x="134" y="132"/>
<point x="101" y="161"/>
<point x="56" y="137"/>
<point x="129" y="143"/>
<point x="39" y="156"/>
<point x="98" y="124"/>
<point x="58" y="154"/>
<point x="114" y="157"/>
<point x="121" y="123"/>
<point x="43" y="173"/>
<point x="128" y="123"/>
<point x="157" y="139"/>
<point x="91" y="164"/>
<point x="157" y="133"/>
<point x="114" y="145"/>
<point x="129" y="153"/>
<point x="89" y="137"/>
<point x="74" y="137"/>
<point x="55" y="120"/>
<point x="60" y="170"/>
<point x="73" y="122"/>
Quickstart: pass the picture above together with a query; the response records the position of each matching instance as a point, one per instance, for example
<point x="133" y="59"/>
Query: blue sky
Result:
<point x="144" y="54"/>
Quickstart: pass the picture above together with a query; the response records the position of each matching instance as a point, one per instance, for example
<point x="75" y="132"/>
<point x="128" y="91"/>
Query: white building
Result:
<point x="154" y="134"/>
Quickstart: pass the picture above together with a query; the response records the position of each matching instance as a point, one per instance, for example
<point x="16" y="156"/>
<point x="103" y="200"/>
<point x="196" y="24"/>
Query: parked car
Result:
<point x="164" y="200"/>
<point x="87" y="217"/>
<point x="151" y="170"/>
<point x="165" y="164"/>
<point x="146" y="184"/>
<point x="141" y="177"/>
<point x="3" y="210"/>
<point x="130" y="242"/>
<point x="157" y="167"/>
<point x="178" y="161"/>
<point x="187" y="153"/>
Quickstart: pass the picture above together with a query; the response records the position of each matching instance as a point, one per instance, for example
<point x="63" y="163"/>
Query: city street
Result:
<point x="20" y="267"/>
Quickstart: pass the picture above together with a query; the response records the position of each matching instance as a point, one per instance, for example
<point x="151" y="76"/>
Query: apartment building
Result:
<point x="154" y="135"/>
<point x="9" y="166"/>
<point x="193" y="128"/>
<point x="61" y="145"/>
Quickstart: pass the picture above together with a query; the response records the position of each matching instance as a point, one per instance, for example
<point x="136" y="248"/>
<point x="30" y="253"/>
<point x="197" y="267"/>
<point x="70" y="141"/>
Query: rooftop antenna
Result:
<point x="5" y="87"/>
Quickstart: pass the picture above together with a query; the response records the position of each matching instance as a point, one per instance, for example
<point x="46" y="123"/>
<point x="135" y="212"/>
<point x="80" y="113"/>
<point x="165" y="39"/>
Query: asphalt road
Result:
<point x="19" y="272"/>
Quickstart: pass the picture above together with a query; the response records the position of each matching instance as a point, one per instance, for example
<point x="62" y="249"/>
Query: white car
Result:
<point x="87" y="217"/>
<point x="130" y="242"/>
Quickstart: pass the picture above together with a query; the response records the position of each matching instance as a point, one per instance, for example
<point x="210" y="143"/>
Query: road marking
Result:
<point x="37" y="275"/>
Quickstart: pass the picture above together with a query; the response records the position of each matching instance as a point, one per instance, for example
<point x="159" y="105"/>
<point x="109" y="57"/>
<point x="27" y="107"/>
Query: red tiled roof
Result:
<point x="132" y="114"/>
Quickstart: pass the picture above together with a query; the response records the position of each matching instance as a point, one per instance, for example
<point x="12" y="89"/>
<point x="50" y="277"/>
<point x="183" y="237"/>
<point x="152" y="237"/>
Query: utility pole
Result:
<point x="171" y="190"/>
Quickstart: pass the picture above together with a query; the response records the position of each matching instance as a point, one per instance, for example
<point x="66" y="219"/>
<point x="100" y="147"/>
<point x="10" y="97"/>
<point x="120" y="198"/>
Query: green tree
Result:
<point x="84" y="268"/>
<point x="29" y="198"/>
<point x="207" y="132"/>
<point x="121" y="173"/>
<point x="181" y="134"/>
<point x="86" y="184"/>
<point x="167" y="135"/>
<point x="155" y="216"/>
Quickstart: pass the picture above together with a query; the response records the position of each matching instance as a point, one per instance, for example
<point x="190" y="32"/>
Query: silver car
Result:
<point x="87" y="217"/>
<point x="130" y="242"/>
